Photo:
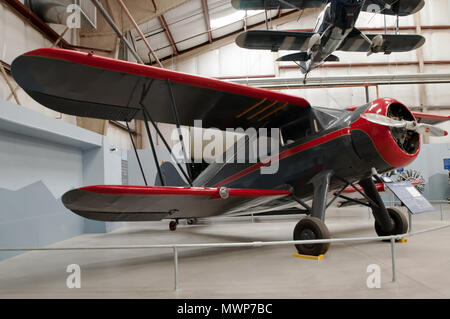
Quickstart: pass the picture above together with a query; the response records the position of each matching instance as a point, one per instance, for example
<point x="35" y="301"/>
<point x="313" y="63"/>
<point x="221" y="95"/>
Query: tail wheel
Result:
<point x="191" y="221"/>
<point x="399" y="220"/>
<point x="173" y="225"/>
<point x="310" y="228"/>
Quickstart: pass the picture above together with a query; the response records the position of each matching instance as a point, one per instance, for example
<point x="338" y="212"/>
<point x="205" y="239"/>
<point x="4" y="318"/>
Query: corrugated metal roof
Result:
<point x="187" y="26"/>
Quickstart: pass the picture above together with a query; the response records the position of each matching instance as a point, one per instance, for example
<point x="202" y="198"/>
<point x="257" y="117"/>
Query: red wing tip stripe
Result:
<point x="165" y="74"/>
<point x="181" y="191"/>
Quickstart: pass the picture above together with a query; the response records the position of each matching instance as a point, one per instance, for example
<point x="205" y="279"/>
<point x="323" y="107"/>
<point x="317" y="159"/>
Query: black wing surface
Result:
<point x="398" y="7"/>
<point x="83" y="84"/>
<point x="391" y="42"/>
<point x="274" y="40"/>
<point x="150" y="203"/>
<point x="276" y="4"/>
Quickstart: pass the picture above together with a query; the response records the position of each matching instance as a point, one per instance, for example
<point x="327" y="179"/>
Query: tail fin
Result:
<point x="303" y="67"/>
<point x="171" y="176"/>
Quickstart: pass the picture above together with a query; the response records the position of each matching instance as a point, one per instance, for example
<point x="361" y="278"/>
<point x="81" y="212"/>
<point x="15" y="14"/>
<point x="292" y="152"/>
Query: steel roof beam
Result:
<point x="207" y="19"/>
<point x="163" y="22"/>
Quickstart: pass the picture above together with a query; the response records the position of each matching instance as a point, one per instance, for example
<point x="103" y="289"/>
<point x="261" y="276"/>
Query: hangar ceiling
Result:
<point x="174" y="27"/>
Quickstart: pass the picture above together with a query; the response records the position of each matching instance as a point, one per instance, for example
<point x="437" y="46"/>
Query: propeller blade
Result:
<point x="421" y="128"/>
<point x="383" y="120"/>
<point x="430" y="130"/>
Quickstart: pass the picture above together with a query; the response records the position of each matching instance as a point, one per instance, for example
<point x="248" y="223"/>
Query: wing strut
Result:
<point x="152" y="145"/>
<point x="175" y="115"/>
<point x="148" y="117"/>
<point x="167" y="145"/>
<point x="136" y="153"/>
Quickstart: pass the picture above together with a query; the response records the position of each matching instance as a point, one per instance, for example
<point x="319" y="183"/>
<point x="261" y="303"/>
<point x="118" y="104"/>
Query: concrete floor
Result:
<point x="423" y="263"/>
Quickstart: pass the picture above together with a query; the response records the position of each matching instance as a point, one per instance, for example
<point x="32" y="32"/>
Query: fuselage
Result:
<point x="347" y="145"/>
<point x="333" y="25"/>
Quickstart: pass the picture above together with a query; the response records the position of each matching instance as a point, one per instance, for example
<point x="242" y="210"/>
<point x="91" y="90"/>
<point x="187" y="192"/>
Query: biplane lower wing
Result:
<point x="355" y="42"/>
<point x="151" y="203"/>
<point x="87" y="85"/>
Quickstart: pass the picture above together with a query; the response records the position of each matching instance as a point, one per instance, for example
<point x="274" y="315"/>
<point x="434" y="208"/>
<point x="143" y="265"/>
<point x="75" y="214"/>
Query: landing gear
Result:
<point x="388" y="221"/>
<point x="173" y="225"/>
<point x="399" y="221"/>
<point x="310" y="228"/>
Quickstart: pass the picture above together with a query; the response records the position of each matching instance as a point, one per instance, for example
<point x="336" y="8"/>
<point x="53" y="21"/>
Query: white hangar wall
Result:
<point x="40" y="159"/>
<point x="18" y="36"/>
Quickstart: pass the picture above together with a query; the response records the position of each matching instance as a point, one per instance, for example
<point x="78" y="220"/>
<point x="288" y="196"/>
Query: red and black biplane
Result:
<point x="322" y="151"/>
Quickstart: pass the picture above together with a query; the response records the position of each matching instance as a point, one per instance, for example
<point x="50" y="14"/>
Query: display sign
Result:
<point x="410" y="197"/>
<point x="447" y="163"/>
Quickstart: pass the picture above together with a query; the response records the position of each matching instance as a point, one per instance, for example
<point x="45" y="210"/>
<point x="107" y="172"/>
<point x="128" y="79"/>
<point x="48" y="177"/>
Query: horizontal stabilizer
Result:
<point x="150" y="203"/>
<point x="301" y="56"/>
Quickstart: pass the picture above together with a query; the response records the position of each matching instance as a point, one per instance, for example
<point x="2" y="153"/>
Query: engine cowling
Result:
<point x="381" y="146"/>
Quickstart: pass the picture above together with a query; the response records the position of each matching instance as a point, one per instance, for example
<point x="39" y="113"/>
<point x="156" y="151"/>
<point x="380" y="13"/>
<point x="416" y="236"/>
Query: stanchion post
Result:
<point x="394" y="275"/>
<point x="410" y="222"/>
<point x="175" y="262"/>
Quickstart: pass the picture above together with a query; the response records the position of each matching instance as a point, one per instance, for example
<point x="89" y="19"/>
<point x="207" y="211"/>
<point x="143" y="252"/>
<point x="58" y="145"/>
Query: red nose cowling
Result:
<point x="386" y="140"/>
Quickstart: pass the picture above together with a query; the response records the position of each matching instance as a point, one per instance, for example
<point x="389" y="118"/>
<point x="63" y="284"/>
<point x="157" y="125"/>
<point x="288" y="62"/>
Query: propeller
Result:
<point x="420" y="128"/>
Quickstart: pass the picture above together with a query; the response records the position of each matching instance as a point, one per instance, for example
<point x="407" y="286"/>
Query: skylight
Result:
<point x="234" y="16"/>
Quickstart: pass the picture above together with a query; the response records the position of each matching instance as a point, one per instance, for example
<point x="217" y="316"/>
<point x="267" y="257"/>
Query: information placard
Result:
<point x="410" y="197"/>
<point x="447" y="163"/>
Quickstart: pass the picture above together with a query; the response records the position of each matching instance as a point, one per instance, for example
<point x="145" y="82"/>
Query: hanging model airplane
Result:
<point x="322" y="151"/>
<point x="334" y="31"/>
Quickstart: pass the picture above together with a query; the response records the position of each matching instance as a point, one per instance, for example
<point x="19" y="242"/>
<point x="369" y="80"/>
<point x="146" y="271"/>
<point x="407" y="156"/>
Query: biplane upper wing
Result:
<point x="147" y="203"/>
<point x="355" y="42"/>
<point x="87" y="85"/>
<point x="398" y="7"/>
<point x="276" y="4"/>
<point x="274" y="40"/>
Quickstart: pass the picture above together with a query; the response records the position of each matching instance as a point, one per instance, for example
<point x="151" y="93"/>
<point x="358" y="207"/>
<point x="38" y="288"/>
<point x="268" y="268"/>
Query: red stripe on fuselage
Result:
<point x="289" y="152"/>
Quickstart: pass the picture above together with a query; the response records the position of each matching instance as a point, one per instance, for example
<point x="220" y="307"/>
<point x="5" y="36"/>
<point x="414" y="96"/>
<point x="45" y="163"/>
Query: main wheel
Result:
<point x="311" y="228"/>
<point x="400" y="223"/>
<point x="173" y="225"/>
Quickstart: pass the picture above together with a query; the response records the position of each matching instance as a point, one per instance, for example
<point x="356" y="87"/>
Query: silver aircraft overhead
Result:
<point x="334" y="30"/>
